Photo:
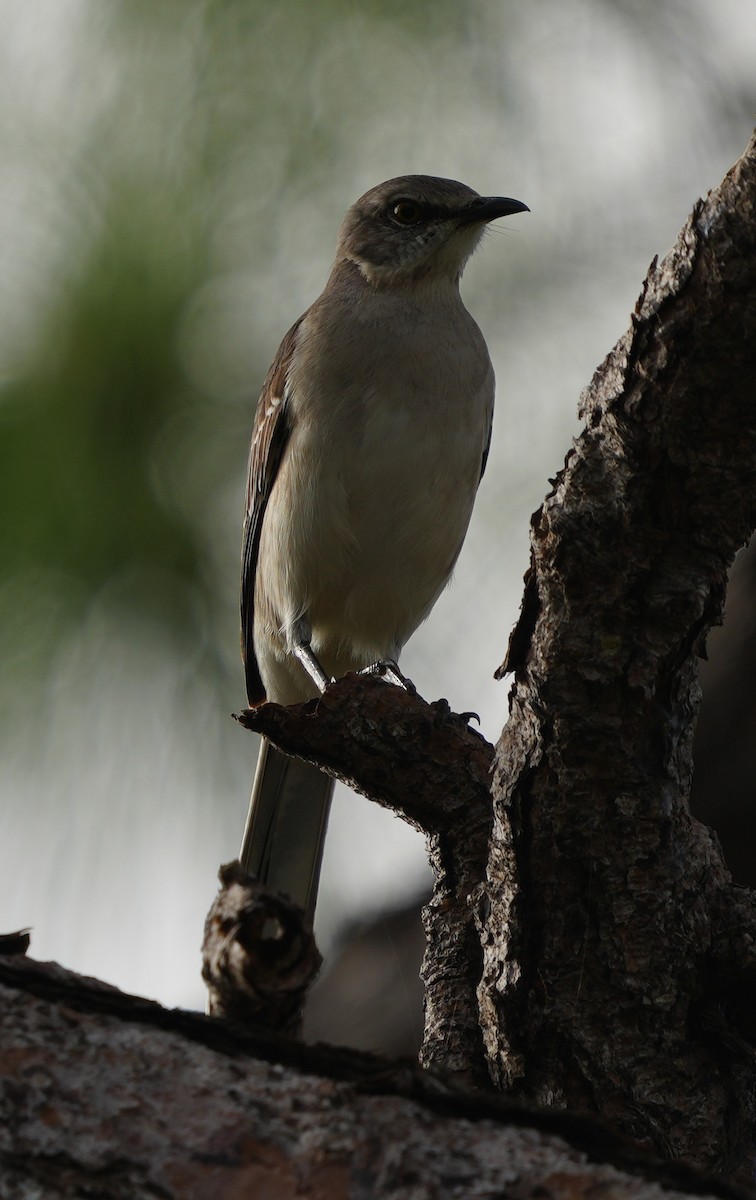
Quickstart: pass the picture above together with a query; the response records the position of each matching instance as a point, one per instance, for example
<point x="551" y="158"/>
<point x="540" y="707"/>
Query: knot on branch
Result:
<point x="258" y="956"/>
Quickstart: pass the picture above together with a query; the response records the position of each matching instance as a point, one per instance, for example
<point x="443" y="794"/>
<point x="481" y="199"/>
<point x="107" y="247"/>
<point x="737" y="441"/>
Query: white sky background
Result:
<point x="115" y="815"/>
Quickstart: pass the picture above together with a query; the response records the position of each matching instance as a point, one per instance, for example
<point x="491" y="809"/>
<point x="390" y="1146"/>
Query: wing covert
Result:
<point x="270" y="435"/>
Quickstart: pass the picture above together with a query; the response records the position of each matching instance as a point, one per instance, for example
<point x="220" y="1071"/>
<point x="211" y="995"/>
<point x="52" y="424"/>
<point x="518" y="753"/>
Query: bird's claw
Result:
<point x="387" y="669"/>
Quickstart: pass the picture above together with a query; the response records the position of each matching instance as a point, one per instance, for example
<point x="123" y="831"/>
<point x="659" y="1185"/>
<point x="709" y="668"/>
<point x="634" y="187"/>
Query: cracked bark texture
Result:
<point x="618" y="957"/>
<point x="107" y="1095"/>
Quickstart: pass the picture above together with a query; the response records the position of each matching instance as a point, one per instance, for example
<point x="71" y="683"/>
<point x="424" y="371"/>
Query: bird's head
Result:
<point x="417" y="227"/>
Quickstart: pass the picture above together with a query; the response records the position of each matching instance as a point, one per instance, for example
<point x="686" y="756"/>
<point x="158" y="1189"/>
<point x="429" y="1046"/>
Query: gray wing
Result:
<point x="486" y="449"/>
<point x="270" y="435"/>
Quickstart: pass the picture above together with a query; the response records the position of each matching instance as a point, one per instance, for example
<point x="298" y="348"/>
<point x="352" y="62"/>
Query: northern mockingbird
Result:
<point x="369" y="441"/>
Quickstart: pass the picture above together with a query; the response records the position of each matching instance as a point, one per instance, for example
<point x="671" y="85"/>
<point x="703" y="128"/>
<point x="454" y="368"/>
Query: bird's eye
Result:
<point x="407" y="212"/>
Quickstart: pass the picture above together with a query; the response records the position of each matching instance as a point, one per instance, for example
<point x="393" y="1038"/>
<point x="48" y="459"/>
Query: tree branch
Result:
<point x="106" y="1094"/>
<point x="419" y="760"/>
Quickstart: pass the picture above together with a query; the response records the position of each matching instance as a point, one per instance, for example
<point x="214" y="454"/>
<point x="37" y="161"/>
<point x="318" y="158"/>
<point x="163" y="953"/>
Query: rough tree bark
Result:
<point x="587" y="950"/>
<point x="110" y="1096"/>
<point x="619" y="959"/>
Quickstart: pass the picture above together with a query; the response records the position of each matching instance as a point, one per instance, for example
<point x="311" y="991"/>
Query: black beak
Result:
<point x="488" y="208"/>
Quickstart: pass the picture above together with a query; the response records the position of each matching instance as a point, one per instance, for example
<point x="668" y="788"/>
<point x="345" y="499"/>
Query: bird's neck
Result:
<point x="421" y="287"/>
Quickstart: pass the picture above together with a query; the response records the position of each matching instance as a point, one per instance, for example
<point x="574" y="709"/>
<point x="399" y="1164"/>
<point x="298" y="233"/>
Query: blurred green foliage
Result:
<point x="80" y="420"/>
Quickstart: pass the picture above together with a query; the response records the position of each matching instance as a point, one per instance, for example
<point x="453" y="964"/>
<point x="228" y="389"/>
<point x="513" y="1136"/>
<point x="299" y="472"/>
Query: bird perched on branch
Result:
<point x="370" y="439"/>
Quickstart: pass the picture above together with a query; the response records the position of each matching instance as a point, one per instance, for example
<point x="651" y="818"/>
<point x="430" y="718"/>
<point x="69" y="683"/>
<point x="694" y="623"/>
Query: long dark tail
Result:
<point x="286" y="825"/>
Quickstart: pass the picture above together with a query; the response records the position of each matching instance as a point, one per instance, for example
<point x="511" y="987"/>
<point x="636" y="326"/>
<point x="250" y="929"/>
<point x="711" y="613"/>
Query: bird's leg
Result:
<point x="304" y="653"/>
<point x="299" y="644"/>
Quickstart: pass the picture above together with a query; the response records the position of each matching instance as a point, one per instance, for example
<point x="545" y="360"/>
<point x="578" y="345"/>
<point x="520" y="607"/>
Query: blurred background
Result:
<point x="172" y="177"/>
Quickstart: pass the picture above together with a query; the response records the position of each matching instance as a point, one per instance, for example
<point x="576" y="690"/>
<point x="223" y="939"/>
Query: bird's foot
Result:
<point x="387" y="669"/>
<point x="444" y="713"/>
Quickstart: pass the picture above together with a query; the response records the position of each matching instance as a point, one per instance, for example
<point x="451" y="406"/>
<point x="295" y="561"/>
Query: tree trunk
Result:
<point x="619" y="959"/>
